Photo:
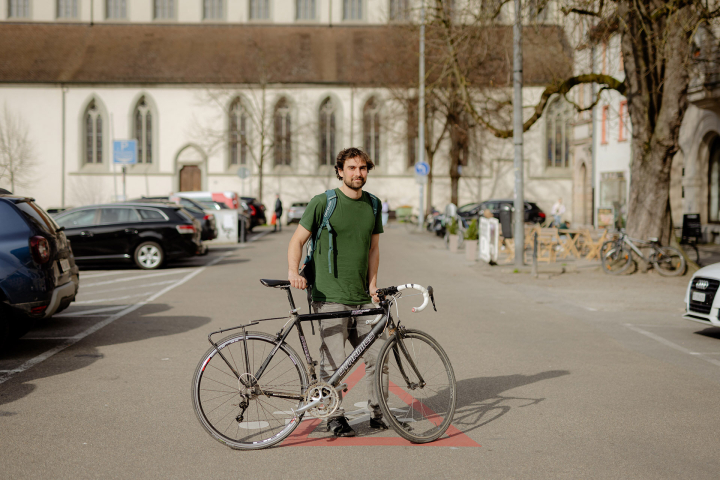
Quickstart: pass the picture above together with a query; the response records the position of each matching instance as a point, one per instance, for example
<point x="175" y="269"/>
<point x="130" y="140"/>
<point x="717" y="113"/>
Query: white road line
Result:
<point x="87" y="312"/>
<point x="139" y="277"/>
<point x="670" y="344"/>
<point x="106" y="274"/>
<point x="259" y="236"/>
<point x="130" y="288"/>
<point x="5" y="376"/>
<point x="125" y="297"/>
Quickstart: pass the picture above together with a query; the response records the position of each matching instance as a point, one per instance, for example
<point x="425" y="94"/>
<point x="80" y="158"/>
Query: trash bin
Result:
<point x="506" y="223"/>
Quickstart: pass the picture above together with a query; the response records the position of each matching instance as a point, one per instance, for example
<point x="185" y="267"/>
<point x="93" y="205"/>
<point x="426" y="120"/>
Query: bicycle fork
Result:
<point x="396" y="352"/>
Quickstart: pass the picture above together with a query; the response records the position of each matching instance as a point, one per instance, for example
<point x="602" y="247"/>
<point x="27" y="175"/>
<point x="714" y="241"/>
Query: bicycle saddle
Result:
<point x="275" y="283"/>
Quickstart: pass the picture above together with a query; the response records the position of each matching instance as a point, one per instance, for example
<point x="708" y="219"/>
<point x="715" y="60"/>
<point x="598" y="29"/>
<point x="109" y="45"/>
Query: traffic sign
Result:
<point x="422" y="168"/>
<point x="243" y="172"/>
<point x="125" y="152"/>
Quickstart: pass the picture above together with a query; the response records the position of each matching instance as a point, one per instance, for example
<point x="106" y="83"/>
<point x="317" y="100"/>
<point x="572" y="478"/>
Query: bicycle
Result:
<point x="250" y="390"/>
<point x="617" y="255"/>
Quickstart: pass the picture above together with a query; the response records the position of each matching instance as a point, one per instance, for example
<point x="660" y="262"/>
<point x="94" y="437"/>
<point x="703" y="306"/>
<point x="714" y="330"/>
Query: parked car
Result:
<point x="147" y="233"/>
<point x="38" y="275"/>
<point x="533" y="213"/>
<point x="257" y="211"/>
<point x="295" y="212"/>
<point x="207" y="220"/>
<point x="222" y="201"/>
<point x="701" y="296"/>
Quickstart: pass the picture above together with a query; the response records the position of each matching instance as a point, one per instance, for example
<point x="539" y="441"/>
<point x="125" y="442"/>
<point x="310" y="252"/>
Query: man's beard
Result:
<point x="353" y="185"/>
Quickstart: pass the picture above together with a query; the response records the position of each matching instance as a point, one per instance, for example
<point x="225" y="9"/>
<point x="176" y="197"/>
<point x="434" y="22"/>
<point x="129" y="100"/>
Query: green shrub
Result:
<point x="452" y="227"/>
<point x="472" y="232"/>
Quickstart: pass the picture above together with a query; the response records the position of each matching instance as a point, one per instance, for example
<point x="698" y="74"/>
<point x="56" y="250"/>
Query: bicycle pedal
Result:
<point x="342" y="386"/>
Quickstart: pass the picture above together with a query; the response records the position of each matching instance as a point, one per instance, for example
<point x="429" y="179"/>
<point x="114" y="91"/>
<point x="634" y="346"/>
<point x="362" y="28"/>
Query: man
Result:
<point x="557" y="212"/>
<point x="356" y="231"/>
<point x="278" y="213"/>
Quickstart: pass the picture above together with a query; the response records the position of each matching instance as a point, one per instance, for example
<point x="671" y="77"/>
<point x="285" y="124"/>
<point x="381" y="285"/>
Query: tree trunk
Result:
<point x="429" y="156"/>
<point x="656" y="52"/>
<point x="458" y="150"/>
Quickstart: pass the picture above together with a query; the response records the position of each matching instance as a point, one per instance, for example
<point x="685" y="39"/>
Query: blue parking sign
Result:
<point x="422" y="168"/>
<point x="125" y="152"/>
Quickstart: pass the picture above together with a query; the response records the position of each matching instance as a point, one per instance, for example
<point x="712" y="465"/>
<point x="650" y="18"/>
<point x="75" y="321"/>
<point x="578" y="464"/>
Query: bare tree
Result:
<point x="17" y="160"/>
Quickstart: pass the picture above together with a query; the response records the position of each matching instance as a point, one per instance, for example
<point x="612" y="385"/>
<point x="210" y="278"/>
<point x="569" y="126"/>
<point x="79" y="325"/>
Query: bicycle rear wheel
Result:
<point x="615" y="257"/>
<point x="418" y="412"/>
<point x="243" y="418"/>
<point x="669" y="262"/>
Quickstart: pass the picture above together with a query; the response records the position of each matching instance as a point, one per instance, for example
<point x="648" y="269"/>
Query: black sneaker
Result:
<point x="378" y="424"/>
<point x="340" y="427"/>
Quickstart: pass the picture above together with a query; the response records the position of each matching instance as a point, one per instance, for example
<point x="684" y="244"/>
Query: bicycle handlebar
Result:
<point x="423" y="290"/>
<point x="427" y="294"/>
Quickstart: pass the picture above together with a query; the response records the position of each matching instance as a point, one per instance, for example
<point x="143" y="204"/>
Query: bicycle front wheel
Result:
<point x="249" y="418"/>
<point x="615" y="257"/>
<point x="419" y="409"/>
<point x="669" y="262"/>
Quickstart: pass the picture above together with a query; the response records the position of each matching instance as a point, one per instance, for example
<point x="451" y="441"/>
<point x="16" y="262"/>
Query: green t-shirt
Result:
<point x="353" y="226"/>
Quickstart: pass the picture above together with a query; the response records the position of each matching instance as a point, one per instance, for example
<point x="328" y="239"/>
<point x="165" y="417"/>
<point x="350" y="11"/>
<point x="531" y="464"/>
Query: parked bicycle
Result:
<point x="617" y="256"/>
<point x="251" y="390"/>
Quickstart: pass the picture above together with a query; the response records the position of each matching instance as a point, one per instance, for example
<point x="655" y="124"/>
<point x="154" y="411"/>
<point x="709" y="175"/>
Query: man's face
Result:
<point x="355" y="173"/>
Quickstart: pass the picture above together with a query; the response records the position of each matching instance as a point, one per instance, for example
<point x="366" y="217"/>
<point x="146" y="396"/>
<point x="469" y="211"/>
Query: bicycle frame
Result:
<point x="296" y="321"/>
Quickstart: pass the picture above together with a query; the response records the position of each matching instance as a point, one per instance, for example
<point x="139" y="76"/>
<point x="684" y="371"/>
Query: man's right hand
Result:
<point x="297" y="280"/>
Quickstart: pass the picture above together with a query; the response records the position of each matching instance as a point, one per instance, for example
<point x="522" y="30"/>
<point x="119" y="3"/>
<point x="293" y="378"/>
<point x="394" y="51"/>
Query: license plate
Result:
<point x="65" y="265"/>
<point x="698" y="296"/>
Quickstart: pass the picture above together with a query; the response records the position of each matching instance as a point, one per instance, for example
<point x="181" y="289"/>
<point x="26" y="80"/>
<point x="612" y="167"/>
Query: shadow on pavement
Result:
<point x="135" y="328"/>
<point x="712" y="332"/>
<point x="480" y="401"/>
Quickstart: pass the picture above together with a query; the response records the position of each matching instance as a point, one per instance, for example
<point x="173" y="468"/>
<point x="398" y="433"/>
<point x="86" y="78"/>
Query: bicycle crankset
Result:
<point x="324" y="397"/>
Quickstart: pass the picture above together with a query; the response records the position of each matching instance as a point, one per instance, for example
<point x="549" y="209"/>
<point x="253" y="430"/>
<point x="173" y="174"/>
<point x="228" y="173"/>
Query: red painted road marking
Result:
<point x="301" y="436"/>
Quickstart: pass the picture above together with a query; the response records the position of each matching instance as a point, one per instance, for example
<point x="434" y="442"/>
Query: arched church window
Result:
<point x="371" y="129"/>
<point x="558" y="131"/>
<point x="238" y="133"/>
<point x="93" y="134"/>
<point x="327" y="132"/>
<point x="143" y="131"/>
<point x="283" y="140"/>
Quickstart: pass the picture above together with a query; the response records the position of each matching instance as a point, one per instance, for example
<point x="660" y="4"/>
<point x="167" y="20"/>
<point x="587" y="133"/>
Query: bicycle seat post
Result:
<point x="293" y="310"/>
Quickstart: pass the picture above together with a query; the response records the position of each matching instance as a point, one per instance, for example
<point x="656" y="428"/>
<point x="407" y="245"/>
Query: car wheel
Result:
<point x="149" y="256"/>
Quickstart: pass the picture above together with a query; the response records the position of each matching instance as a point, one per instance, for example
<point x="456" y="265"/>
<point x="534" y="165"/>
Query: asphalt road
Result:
<point x="582" y="376"/>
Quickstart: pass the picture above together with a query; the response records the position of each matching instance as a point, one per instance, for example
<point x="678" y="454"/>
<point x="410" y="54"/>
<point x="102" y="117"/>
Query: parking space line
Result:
<point x="106" y="274"/>
<point x="88" y="312"/>
<point x="5" y="376"/>
<point x="139" y="277"/>
<point x="85" y="302"/>
<point x="670" y="344"/>
<point x="133" y="287"/>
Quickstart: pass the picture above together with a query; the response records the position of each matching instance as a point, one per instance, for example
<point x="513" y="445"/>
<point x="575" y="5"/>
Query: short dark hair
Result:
<point x="349" y="153"/>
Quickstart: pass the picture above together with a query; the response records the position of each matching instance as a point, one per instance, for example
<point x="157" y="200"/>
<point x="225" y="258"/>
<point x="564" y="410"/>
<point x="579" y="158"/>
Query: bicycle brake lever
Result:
<point x="432" y="298"/>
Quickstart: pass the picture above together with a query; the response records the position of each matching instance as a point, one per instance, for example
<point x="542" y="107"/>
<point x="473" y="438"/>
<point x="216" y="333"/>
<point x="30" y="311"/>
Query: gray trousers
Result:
<point x="333" y="334"/>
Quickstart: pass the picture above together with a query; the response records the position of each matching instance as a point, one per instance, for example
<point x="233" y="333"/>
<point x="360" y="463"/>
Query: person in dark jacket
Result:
<point x="278" y="213"/>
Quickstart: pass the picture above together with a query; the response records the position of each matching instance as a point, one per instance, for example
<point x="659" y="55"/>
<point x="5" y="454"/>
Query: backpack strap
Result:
<point x="329" y="209"/>
<point x="375" y="203"/>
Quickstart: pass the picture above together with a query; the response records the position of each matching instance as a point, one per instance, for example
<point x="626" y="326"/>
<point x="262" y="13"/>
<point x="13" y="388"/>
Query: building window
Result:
<point x="412" y="133"/>
<point x="67" y="9"/>
<point x="115" y="9"/>
<point x="238" y="133"/>
<point x="305" y="9"/>
<point x="399" y="11"/>
<point x="282" y="144"/>
<point x="213" y="10"/>
<point x="622" y="117"/>
<point x="93" y="134"/>
<point x="164" y="9"/>
<point x="353" y="9"/>
<point x="18" y="8"/>
<point x="327" y="132"/>
<point x="143" y="131"/>
<point x="371" y="130"/>
<point x="604" y="58"/>
<point x="260" y="9"/>
<point x="558" y="130"/>
<point x="604" y="125"/>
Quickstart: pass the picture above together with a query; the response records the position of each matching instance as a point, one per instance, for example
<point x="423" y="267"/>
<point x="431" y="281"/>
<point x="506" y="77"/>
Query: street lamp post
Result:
<point x="421" y="112"/>
<point x="519" y="235"/>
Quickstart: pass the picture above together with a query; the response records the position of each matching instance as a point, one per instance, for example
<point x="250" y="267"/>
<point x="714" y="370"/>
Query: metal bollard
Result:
<point x="534" y="258"/>
<point x="242" y="231"/>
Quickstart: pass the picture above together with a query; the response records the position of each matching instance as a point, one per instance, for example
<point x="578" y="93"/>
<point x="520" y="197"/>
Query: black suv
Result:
<point x="38" y="275"/>
<point x="473" y="210"/>
<point x="257" y="211"/>
<point x="147" y="233"/>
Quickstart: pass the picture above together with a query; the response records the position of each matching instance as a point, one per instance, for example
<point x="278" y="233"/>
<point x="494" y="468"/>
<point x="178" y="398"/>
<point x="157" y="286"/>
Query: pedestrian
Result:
<point x="557" y="212"/>
<point x="346" y="280"/>
<point x="385" y="212"/>
<point x="278" y="213"/>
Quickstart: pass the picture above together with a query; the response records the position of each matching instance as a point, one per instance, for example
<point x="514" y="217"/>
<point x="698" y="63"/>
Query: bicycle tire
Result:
<point x="216" y="399"/>
<point x="692" y="252"/>
<point x="669" y="262"/>
<point x="615" y="258"/>
<point x="414" y="416"/>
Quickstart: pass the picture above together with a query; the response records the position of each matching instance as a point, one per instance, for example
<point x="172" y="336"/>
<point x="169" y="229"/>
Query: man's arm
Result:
<point x="374" y="260"/>
<point x="297" y="242"/>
